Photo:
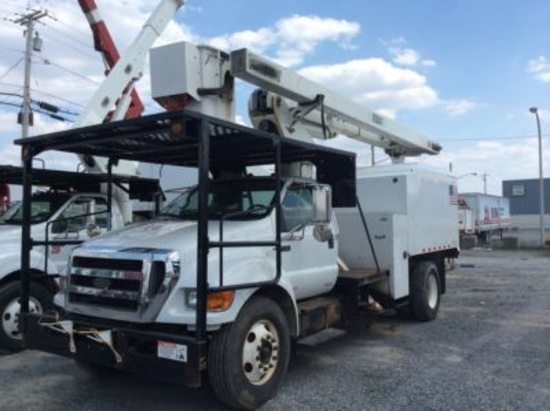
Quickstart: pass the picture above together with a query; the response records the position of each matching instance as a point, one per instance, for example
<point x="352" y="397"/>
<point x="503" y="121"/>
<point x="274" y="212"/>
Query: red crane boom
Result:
<point x="103" y="42"/>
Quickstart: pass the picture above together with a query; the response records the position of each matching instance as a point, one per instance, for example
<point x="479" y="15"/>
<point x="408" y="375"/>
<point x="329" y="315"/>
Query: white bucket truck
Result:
<point x="69" y="209"/>
<point x="60" y="217"/>
<point x="241" y="265"/>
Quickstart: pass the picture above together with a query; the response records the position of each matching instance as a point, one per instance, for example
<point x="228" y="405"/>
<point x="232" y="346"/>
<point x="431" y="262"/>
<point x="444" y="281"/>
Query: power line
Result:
<point x="48" y="62"/>
<point x="17" y="86"/>
<point x="86" y="53"/>
<point x="57" y="97"/>
<point x="42" y="104"/>
<point x="12" y="67"/>
<point x="69" y="35"/>
<point x="9" y="12"/>
<point x="38" y="110"/>
<point x="74" y="30"/>
<point x="19" y="51"/>
<point x="11" y="95"/>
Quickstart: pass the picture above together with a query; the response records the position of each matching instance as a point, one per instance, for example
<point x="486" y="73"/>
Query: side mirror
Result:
<point x="322" y="204"/>
<point x="60" y="226"/>
<point x="93" y="230"/>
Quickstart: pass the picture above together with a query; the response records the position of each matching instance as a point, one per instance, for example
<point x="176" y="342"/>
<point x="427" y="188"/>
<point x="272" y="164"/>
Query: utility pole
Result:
<point x="28" y="21"/>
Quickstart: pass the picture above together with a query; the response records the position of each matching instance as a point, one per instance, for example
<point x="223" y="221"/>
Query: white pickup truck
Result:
<point x="68" y="209"/>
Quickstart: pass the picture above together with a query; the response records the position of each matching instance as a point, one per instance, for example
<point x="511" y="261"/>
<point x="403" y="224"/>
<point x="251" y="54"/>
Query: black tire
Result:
<point x="403" y="311"/>
<point x="425" y="291"/>
<point x="40" y="300"/>
<point x="240" y="377"/>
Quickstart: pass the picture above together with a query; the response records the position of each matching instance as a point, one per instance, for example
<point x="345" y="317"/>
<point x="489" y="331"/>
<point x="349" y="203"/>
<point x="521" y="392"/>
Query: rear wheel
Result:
<point x="425" y="291"/>
<point x="249" y="357"/>
<point x="40" y="299"/>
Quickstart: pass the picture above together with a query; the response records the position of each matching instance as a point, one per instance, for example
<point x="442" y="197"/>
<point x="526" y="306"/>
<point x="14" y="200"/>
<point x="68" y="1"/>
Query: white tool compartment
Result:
<point x="426" y="196"/>
<point x="389" y="236"/>
<point x="410" y="210"/>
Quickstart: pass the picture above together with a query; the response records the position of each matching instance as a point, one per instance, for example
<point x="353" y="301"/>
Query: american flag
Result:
<point x="453" y="194"/>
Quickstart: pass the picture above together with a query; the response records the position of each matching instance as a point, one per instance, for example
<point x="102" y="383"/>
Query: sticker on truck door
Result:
<point x="172" y="351"/>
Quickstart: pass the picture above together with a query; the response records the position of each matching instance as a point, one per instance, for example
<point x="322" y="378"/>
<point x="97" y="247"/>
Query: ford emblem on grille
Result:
<point x="102" y="283"/>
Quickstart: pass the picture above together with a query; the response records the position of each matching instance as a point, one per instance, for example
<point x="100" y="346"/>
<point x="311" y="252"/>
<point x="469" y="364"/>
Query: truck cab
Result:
<point x="66" y="209"/>
<point x="241" y="209"/>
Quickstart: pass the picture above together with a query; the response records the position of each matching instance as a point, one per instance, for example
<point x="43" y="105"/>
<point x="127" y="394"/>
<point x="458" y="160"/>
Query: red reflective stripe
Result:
<point x="87" y="5"/>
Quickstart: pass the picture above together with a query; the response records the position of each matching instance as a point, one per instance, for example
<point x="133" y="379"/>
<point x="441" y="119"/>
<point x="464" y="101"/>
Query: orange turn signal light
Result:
<point x="220" y="300"/>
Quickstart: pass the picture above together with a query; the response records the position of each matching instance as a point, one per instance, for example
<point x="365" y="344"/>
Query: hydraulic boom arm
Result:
<point x="103" y="42"/>
<point x="314" y="106"/>
<point x="115" y="89"/>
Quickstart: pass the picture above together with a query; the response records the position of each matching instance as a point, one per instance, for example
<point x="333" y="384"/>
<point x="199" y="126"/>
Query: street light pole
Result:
<point x="535" y="111"/>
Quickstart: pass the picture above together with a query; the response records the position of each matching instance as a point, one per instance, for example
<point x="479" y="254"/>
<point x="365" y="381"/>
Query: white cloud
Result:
<point x="456" y="108"/>
<point x="291" y="39"/>
<point x="258" y="41"/>
<point x="540" y="69"/>
<point x="406" y="56"/>
<point x="428" y="63"/>
<point x="376" y="83"/>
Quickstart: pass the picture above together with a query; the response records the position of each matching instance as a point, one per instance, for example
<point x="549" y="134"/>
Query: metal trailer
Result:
<point x="484" y="215"/>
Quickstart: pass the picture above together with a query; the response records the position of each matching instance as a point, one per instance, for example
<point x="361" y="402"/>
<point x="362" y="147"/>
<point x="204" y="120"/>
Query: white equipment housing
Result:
<point x="408" y="208"/>
<point x="194" y="77"/>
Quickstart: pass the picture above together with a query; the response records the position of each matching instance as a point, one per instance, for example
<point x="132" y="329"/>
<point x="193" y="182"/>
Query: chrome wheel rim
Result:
<point x="261" y="352"/>
<point x="10" y="316"/>
<point x="432" y="291"/>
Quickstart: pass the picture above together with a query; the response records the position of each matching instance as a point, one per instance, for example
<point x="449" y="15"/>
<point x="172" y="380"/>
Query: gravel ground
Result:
<point x="488" y="349"/>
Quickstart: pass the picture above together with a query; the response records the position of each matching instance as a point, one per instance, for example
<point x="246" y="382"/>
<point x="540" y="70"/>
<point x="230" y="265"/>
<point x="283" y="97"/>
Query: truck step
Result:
<point x="318" y="314"/>
<point x="362" y="276"/>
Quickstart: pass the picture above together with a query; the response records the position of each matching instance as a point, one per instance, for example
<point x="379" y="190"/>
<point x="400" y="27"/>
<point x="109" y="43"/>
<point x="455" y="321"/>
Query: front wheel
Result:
<point x="40" y="299"/>
<point x="249" y="357"/>
<point x="425" y="291"/>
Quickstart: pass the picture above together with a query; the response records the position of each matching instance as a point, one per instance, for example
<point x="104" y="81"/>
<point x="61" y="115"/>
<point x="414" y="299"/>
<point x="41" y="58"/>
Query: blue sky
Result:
<point x="463" y="72"/>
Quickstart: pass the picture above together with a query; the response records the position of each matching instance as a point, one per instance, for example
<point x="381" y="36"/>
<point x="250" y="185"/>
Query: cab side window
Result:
<point x="297" y="207"/>
<point x="77" y="213"/>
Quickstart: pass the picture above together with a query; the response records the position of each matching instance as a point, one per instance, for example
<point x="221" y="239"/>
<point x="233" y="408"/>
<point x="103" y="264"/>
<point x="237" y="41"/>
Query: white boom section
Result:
<point x="116" y="88"/>
<point x="342" y="116"/>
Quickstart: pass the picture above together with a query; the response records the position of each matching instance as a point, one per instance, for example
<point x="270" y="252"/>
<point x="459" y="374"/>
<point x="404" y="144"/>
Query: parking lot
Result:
<point x="488" y="349"/>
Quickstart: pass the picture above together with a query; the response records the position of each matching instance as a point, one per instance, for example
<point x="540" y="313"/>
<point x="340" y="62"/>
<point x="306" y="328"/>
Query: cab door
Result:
<point x="308" y="264"/>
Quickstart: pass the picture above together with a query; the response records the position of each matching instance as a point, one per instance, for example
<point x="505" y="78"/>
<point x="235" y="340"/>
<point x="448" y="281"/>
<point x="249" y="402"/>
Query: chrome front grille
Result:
<point x="132" y="283"/>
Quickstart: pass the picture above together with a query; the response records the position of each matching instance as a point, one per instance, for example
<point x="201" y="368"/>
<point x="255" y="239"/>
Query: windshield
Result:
<point x="43" y="206"/>
<point x="236" y="199"/>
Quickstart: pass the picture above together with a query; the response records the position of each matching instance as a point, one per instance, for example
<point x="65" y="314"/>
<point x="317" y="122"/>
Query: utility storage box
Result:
<point x="409" y="209"/>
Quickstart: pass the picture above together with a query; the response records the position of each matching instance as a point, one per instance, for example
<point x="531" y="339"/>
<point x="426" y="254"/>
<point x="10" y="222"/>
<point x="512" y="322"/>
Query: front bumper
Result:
<point x="165" y="356"/>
